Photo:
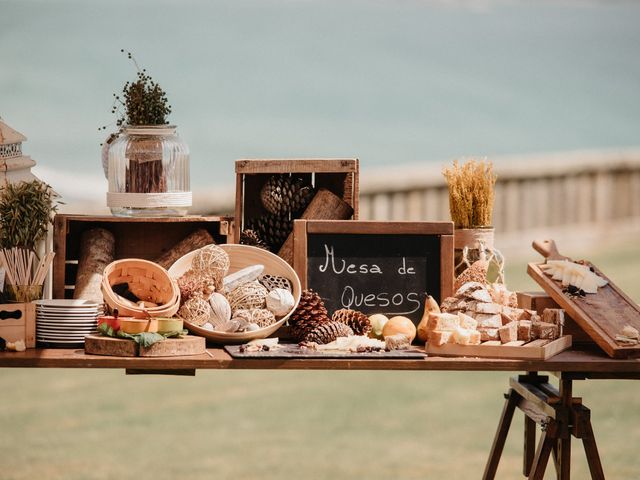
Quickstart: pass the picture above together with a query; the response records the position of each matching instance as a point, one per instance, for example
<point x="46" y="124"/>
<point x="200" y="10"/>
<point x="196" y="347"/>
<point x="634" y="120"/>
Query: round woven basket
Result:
<point x="148" y="281"/>
<point x="242" y="256"/>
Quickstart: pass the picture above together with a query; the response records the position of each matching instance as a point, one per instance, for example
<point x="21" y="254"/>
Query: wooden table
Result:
<point x="559" y="413"/>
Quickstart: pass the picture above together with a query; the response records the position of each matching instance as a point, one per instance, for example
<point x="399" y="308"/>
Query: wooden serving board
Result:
<point x="601" y="315"/>
<point x="294" y="351"/>
<point x="534" y="350"/>
<point x="118" y="347"/>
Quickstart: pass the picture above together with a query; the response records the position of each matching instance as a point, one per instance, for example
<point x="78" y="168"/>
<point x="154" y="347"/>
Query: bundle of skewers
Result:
<point x="25" y="271"/>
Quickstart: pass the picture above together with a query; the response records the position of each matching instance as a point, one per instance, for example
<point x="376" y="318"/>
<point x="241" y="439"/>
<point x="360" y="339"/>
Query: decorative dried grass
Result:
<point x="471" y="193"/>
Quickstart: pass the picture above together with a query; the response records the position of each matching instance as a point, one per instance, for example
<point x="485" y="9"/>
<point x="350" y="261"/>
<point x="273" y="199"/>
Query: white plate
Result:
<point x="60" y="311"/>
<point x="75" y="331"/>
<point x="61" y="342"/>
<point x="62" y="338"/>
<point x="87" y="318"/>
<point x="57" y="303"/>
<point x="65" y="324"/>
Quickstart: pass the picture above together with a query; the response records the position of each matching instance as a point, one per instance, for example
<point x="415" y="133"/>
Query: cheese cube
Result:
<point x="508" y="332"/>
<point x="487" y="334"/>
<point x="467" y="322"/>
<point x="438" y="337"/>
<point x="524" y="330"/>
<point x="443" y="322"/>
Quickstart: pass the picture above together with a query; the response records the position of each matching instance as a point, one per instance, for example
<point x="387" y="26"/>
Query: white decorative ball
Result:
<point x="280" y="301"/>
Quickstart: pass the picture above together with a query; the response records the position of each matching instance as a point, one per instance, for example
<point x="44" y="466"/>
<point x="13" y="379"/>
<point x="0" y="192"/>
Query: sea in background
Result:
<point x="389" y="82"/>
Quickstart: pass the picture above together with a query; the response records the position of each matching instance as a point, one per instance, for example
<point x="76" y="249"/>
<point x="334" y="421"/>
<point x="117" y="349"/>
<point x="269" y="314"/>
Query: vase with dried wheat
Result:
<point x="471" y="196"/>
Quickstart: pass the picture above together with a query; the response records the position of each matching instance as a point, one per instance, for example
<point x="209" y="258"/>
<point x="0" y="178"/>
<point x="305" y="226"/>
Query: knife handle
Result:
<point x="546" y="248"/>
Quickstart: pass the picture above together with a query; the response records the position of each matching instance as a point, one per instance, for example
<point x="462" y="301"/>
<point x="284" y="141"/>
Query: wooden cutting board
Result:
<point x="118" y="347"/>
<point x="535" y="350"/>
<point x="601" y="315"/>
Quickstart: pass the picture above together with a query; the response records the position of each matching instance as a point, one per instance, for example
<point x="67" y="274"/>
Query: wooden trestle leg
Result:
<point x="561" y="417"/>
<point x="501" y="435"/>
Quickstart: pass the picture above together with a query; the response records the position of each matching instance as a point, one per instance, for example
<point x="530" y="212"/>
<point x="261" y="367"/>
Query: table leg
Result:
<point x="541" y="459"/>
<point x="529" y="445"/>
<point x="564" y="442"/>
<point x="501" y="435"/>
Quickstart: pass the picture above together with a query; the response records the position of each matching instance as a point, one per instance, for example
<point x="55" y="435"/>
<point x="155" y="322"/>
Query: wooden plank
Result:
<point x="238" y="224"/>
<point x="60" y="247"/>
<point x="494" y="349"/>
<point x="308" y="165"/>
<point x="364" y="227"/>
<point x="300" y="250"/>
<point x="447" y="266"/>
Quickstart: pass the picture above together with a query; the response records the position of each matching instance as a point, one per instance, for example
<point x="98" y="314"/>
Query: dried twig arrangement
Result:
<point x="23" y="267"/>
<point x="471" y="193"/>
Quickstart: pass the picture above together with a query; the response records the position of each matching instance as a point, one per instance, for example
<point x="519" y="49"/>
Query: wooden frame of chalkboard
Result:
<point x="375" y="267"/>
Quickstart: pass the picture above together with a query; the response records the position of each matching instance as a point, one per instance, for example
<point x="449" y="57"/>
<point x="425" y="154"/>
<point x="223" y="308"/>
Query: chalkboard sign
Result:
<point x="375" y="267"/>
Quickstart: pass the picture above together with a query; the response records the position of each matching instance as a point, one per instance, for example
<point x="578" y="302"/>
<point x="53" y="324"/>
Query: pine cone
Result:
<point x="310" y="307"/>
<point x="328" y="332"/>
<point x="283" y="195"/>
<point x="357" y="321"/>
<point x="272" y="229"/>
<point x="249" y="237"/>
<point x="309" y="314"/>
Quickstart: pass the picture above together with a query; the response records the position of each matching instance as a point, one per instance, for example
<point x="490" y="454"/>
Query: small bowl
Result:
<point x="167" y="325"/>
<point x="138" y="325"/>
<point x="113" y="322"/>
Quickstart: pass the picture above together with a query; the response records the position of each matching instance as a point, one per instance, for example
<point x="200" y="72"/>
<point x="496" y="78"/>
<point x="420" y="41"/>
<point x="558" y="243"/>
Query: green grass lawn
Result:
<point x="102" y="424"/>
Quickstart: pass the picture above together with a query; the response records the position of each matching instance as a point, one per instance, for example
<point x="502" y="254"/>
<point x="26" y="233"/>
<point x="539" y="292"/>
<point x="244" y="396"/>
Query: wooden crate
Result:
<point x="340" y="176"/>
<point x="18" y="322"/>
<point x="145" y="238"/>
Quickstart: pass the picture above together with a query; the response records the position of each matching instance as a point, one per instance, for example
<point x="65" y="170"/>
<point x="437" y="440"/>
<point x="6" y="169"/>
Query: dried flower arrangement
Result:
<point x="26" y="211"/>
<point x="471" y="193"/>
<point x="143" y="101"/>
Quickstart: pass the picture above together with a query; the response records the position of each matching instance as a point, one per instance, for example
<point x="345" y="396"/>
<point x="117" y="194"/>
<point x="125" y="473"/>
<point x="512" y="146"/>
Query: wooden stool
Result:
<point x="559" y="414"/>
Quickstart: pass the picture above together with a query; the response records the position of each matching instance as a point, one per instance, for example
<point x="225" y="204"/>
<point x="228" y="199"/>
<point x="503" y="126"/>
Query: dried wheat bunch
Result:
<point x="471" y="193"/>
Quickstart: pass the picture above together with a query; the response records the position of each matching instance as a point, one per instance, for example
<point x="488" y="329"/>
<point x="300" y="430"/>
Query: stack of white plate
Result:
<point x="65" y="323"/>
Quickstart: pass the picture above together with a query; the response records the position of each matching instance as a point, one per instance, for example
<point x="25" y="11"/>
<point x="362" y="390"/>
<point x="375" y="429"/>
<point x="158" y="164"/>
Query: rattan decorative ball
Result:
<point x="192" y="283"/>
<point x="211" y="261"/>
<point x="196" y="311"/>
<point x="248" y="295"/>
<point x="259" y="316"/>
<point x="271" y="282"/>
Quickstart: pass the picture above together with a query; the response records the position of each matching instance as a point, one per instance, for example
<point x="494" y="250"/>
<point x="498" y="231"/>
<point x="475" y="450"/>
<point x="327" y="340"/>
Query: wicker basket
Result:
<point x="242" y="256"/>
<point x="148" y="281"/>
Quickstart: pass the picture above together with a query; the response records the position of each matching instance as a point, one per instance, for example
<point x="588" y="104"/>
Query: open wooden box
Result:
<point x="340" y="176"/>
<point x="145" y="238"/>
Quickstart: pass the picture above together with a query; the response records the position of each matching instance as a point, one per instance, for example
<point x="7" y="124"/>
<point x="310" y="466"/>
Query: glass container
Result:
<point x="148" y="173"/>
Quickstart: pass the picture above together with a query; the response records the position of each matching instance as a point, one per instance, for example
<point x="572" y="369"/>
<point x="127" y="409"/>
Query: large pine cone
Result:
<point x="309" y="314"/>
<point x="357" y="321"/>
<point x="272" y="229"/>
<point x="328" y="332"/>
<point x="249" y="237"/>
<point x="310" y="307"/>
<point x="283" y="195"/>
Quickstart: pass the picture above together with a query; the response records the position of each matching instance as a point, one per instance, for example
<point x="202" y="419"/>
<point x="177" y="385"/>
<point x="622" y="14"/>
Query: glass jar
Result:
<point x="473" y="244"/>
<point x="148" y="173"/>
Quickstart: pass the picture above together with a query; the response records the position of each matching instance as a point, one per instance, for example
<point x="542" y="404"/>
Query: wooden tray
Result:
<point x="294" y="351"/>
<point x="601" y="315"/>
<point x="534" y="350"/>
<point x="117" y="347"/>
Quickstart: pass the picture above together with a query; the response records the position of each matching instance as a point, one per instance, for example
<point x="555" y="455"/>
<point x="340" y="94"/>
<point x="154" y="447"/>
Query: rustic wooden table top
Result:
<point x="592" y="362"/>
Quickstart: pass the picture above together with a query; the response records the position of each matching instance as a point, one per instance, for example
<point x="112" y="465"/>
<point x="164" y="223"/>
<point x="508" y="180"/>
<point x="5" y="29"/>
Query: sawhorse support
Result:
<point x="559" y="414"/>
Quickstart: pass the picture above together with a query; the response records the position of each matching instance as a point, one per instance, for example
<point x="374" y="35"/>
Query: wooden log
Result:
<point x="97" y="250"/>
<point x="194" y="241"/>
<point x="325" y="205"/>
<point x="171" y="347"/>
